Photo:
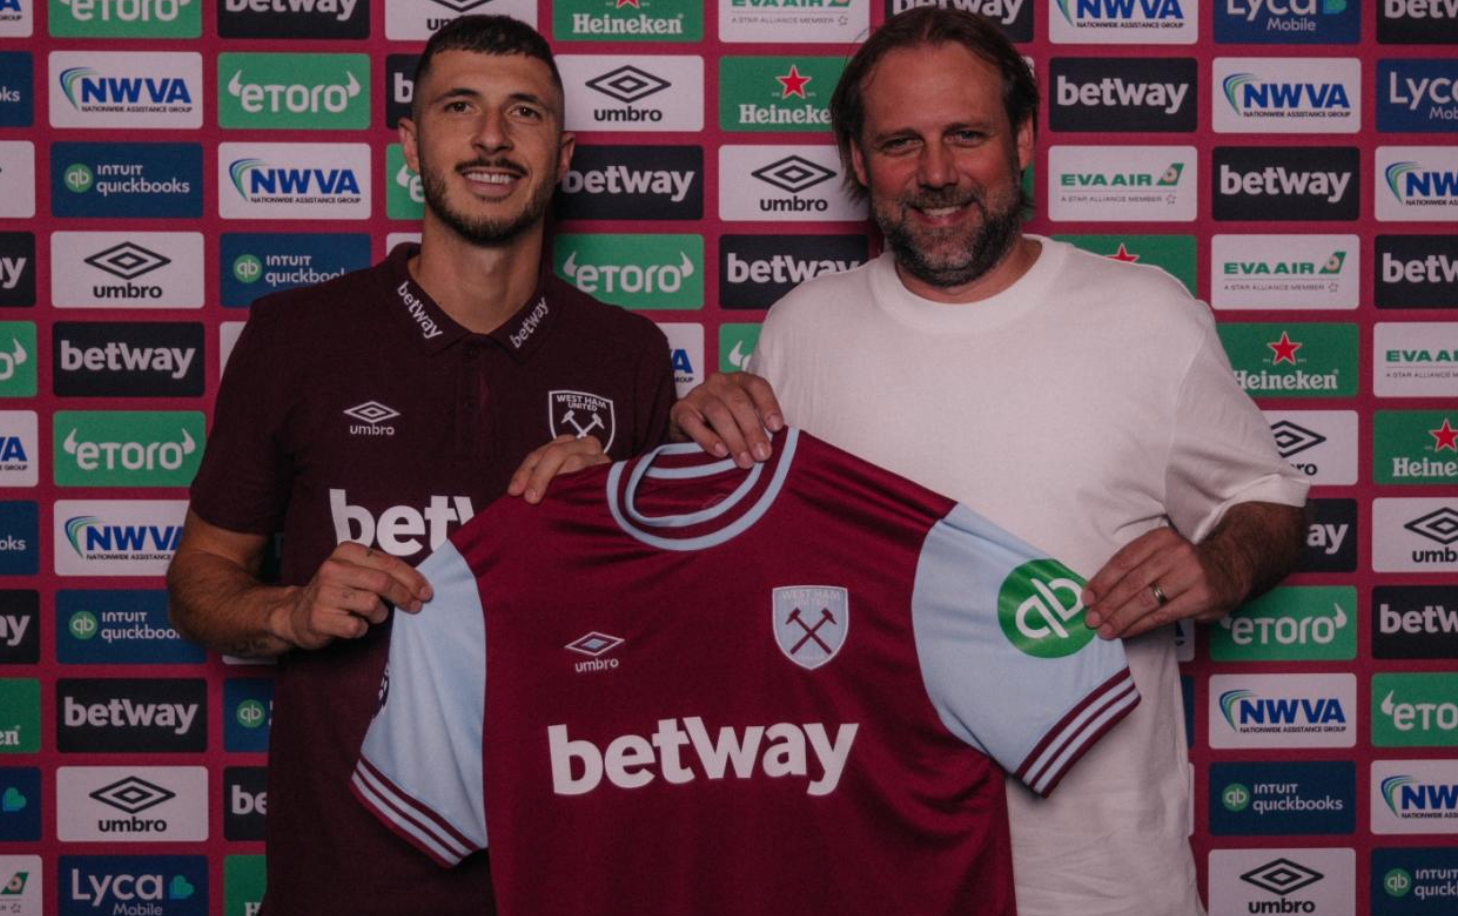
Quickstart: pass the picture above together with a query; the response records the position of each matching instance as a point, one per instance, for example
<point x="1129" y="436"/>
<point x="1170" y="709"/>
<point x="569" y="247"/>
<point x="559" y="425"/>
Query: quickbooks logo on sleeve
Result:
<point x="254" y="264"/>
<point x="142" y="885"/>
<point x="1174" y="254"/>
<point x="1415" y="710"/>
<point x="628" y="20"/>
<point x="633" y="182"/>
<point x="637" y="271"/>
<point x="156" y="180"/>
<point x="1040" y="610"/>
<point x="126" y="448"/>
<point x="294" y="181"/>
<point x="119" y="626"/>
<point x="125" y="18"/>
<point x="1415" y="446"/>
<point x="1285" y="798"/>
<point x="247" y="713"/>
<point x="777" y="93"/>
<point x="294" y="91"/>
<point x="1417" y="95"/>
<point x="1293" y="360"/>
<point x="1290" y="623"/>
<point x="1288" y="21"/>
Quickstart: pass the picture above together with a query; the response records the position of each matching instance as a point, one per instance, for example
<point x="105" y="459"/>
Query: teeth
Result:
<point x="941" y="211"/>
<point x="490" y="177"/>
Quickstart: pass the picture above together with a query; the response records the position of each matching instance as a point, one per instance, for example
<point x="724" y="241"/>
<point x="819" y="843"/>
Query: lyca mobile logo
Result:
<point x="127" y="885"/>
<point x="1286" y="22"/>
<point x="1040" y="609"/>
<point x="639" y="271"/>
<point x="301" y="91"/>
<point x="1417" y="95"/>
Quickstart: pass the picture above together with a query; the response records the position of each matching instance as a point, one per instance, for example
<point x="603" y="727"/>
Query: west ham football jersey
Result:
<point x="677" y="687"/>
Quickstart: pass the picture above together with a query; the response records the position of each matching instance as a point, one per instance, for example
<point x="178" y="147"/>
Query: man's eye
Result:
<point x="526" y="111"/>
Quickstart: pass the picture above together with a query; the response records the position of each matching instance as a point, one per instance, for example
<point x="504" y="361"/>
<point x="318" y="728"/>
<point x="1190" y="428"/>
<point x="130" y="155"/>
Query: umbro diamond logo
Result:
<point x="1292" y="439"/>
<point x="127" y="260"/>
<point x="1440" y="525"/>
<point x="793" y="174"/>
<point x="132" y="795"/>
<point x="594" y="645"/>
<point x="628" y="84"/>
<point x="1282" y="877"/>
<point x="372" y="412"/>
<point x="462" y="6"/>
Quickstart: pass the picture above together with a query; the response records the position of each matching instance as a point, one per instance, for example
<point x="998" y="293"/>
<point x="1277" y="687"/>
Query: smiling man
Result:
<point x="1083" y="404"/>
<point x="367" y="418"/>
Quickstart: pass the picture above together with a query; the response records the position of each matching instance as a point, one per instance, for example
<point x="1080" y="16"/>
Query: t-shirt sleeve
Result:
<point x="1006" y="657"/>
<point x="243" y="481"/>
<point x="1222" y="451"/>
<point x="419" y="770"/>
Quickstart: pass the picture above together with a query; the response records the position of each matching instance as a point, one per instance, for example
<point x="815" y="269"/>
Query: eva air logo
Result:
<point x="294" y="91"/>
<point x="777" y="93"/>
<point x="251" y="714"/>
<point x="404" y="191"/>
<point x="1397" y="882"/>
<point x="638" y="271"/>
<point x="1415" y="447"/>
<point x="16" y="885"/>
<point x="83" y="625"/>
<point x="1235" y="797"/>
<point x="1040" y="610"/>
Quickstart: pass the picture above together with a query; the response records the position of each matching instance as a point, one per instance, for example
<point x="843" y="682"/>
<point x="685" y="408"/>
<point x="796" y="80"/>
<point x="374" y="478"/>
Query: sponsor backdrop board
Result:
<point x="164" y="163"/>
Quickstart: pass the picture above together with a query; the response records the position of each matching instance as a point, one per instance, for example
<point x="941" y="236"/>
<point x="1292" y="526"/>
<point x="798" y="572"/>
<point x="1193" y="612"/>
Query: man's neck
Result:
<point x="479" y="286"/>
<point x="1019" y="259"/>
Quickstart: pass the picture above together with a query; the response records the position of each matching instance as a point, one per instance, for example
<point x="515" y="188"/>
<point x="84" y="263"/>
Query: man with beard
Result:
<point x="1083" y="404"/>
<point x="367" y="417"/>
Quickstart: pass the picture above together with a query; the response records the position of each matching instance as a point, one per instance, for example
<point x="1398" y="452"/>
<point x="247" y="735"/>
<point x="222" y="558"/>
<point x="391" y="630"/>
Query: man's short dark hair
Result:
<point x="929" y="25"/>
<point x="495" y="35"/>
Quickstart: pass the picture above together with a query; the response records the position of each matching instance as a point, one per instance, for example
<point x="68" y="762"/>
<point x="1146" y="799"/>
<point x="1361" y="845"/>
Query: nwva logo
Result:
<point x="12" y="448"/>
<point x="1406" y="796"/>
<point x="84" y="86"/>
<point x="92" y="539"/>
<point x="1244" y="708"/>
<point x="1247" y="93"/>
<point x="257" y="180"/>
<point x="1117" y="10"/>
<point x="1412" y="184"/>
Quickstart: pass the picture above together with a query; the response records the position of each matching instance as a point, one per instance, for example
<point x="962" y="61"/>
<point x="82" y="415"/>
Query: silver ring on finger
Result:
<point x="1160" y="598"/>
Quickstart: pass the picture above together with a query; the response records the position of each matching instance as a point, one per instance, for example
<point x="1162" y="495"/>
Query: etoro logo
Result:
<point x="404" y="188"/>
<point x="1290" y="623"/>
<point x="125" y="18"/>
<point x="1415" y="710"/>
<point x="638" y="271"/>
<point x="293" y="91"/>
<point x="126" y="448"/>
<point x="17" y="368"/>
<point x="1040" y="609"/>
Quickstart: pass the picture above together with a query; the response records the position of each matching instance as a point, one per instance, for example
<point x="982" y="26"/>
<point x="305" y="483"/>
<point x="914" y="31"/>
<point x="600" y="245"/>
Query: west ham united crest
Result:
<point x="581" y="413"/>
<point x="811" y="622"/>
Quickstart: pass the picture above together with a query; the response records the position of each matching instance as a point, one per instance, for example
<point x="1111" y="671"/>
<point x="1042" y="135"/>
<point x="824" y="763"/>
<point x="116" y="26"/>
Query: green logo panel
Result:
<point x="1415" y="446"/>
<point x="19" y="716"/>
<point x="1040" y="609"/>
<point x="127" y="448"/>
<point x="243" y="883"/>
<point x="294" y="91"/>
<point x="736" y="344"/>
<point x="1415" y="710"/>
<point x="404" y="191"/>
<point x="777" y="93"/>
<point x="636" y="271"/>
<point x="638" y="20"/>
<point x="17" y="359"/>
<point x="1292" y="359"/>
<point x="1174" y="253"/>
<point x="1291" y="623"/>
<point x="125" y="18"/>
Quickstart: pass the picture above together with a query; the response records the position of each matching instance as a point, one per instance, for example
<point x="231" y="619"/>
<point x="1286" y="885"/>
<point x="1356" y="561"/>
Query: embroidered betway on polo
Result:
<point x="416" y="307"/>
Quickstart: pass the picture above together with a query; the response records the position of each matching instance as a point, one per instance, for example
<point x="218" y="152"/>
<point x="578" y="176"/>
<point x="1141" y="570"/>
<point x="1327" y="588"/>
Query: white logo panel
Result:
<point x="417" y="20"/>
<point x="1416" y="183"/>
<point x="1122" y="183"/>
<point x="1415" y="360"/>
<point x="1414" y="796"/>
<point x="1283" y="710"/>
<point x="1322" y="444"/>
<point x="773" y="183"/>
<point x="1142" y="22"/>
<point x="1286" y="95"/>
<point x="127" y="270"/>
<point x="21" y="880"/>
<point x="778" y="21"/>
<point x="129" y="90"/>
<point x="17" y="179"/>
<point x="16" y="20"/>
<point x="633" y="92"/>
<point x="19" y="448"/>
<point x="294" y="180"/>
<point x="1415" y="535"/>
<point x="686" y="344"/>
<point x="228" y="334"/>
<point x="1285" y="272"/>
<point x="116" y="537"/>
<point x="131" y="804"/>
<point x="1245" y="881"/>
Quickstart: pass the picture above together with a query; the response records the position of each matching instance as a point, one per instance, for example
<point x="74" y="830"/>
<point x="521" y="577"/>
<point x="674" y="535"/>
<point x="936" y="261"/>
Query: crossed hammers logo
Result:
<point x="570" y="417"/>
<point x="811" y="632"/>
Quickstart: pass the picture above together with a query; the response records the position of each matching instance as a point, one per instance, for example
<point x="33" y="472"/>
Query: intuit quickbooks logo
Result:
<point x="118" y="626"/>
<point x="1414" y="796"/>
<point x="247" y="713"/>
<point x="256" y="264"/>
<point x="1414" y="880"/>
<point x="628" y="20"/>
<point x="126" y="180"/>
<point x="1293" y="360"/>
<point x="638" y="271"/>
<point x="1285" y="798"/>
<point x="777" y="93"/>
<point x="293" y="181"/>
<point x="1124" y="21"/>
<point x="294" y="91"/>
<point x="1040" y="610"/>
<point x="1418" y="183"/>
<point x="125" y="18"/>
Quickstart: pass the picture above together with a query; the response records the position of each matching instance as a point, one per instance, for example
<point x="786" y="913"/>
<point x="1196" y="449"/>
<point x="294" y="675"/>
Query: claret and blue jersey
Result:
<point x="680" y="687"/>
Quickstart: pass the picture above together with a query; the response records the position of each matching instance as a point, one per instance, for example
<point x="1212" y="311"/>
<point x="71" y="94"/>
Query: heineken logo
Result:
<point x="1284" y="350"/>
<point x="792" y="83"/>
<point x="1409" y="447"/>
<point x="1269" y="358"/>
<point x="776" y="93"/>
<point x="1040" y="609"/>
<point x="609" y="20"/>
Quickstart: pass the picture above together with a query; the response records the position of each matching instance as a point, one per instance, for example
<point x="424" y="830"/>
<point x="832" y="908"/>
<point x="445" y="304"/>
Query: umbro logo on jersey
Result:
<point x="595" y="645"/>
<point x="581" y="413"/>
<point x="810" y="622"/>
<point x="372" y="415"/>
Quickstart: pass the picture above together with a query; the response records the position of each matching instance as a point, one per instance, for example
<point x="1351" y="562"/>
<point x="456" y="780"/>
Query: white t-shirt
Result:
<point x="1085" y="405"/>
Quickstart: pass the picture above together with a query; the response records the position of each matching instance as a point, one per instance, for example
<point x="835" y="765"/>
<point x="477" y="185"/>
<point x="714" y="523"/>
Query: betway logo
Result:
<point x="1432" y="620"/>
<point x="628" y="278"/>
<point x="339" y="9"/>
<point x="1248" y="94"/>
<point x="399" y="528"/>
<point x="1004" y="11"/>
<point x="11" y="270"/>
<point x="1328" y="537"/>
<point x="1251" y="10"/>
<point x="1435" y="268"/>
<point x="416" y="308"/>
<point x="123" y="713"/>
<point x="1114" y="91"/>
<point x="1277" y="180"/>
<point x="84" y="86"/>
<point x="121" y="357"/>
<point x="619" y="179"/>
<point x="1420" y="9"/>
<point x="129" y="456"/>
<point x="781" y="269"/>
<point x="126" y="10"/>
<point x="628" y="761"/>
<point x="295" y="98"/>
<point x="12" y="629"/>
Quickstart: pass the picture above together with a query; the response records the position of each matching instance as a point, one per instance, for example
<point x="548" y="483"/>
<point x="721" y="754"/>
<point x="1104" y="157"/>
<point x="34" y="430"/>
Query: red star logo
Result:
<point x="623" y="3"/>
<point x="1445" y="437"/>
<point x="1285" y="350"/>
<point x="793" y="83"/>
<point x="1123" y="255"/>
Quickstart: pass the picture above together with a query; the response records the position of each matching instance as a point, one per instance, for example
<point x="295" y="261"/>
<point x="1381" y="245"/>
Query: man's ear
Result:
<point x="408" y="143"/>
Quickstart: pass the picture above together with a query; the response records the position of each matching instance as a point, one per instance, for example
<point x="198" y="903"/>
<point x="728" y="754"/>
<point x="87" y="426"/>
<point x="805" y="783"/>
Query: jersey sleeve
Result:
<point x="419" y="770"/>
<point x="1006" y="657"/>
<point x="1222" y="452"/>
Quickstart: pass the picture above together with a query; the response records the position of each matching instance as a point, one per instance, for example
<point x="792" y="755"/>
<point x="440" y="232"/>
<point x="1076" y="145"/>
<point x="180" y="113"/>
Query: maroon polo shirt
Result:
<point x="358" y="410"/>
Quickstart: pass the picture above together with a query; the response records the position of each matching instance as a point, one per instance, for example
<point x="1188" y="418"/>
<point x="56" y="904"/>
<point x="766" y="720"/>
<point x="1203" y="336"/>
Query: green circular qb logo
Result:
<point x="82" y="625"/>
<point x="1397" y="882"/>
<point x="247" y="268"/>
<point x="251" y="714"/>
<point x="78" y="178"/>
<point x="1235" y="797"/>
<point x="1040" y="609"/>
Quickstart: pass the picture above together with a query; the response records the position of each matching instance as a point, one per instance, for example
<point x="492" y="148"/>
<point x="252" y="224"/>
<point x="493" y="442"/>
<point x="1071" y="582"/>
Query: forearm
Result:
<point x="1255" y="546"/>
<point x="220" y="604"/>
